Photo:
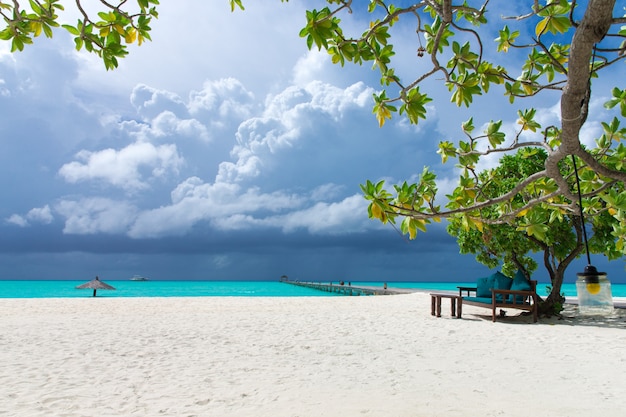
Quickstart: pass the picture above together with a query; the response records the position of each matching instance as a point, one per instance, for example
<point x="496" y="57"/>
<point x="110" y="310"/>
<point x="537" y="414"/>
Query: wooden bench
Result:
<point x="501" y="298"/>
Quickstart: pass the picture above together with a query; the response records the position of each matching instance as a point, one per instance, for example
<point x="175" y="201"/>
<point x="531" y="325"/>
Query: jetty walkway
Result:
<point x="348" y="289"/>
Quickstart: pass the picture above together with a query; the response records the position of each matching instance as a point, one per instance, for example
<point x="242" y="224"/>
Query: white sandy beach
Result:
<point x="336" y="356"/>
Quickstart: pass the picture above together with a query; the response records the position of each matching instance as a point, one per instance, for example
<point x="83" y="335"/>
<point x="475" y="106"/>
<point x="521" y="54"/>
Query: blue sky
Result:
<point x="223" y="149"/>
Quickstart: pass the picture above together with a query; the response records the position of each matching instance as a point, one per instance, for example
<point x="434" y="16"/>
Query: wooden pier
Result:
<point x="350" y="290"/>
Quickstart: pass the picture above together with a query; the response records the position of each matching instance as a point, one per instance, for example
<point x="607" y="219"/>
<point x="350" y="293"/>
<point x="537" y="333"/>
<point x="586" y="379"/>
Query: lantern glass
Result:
<point x="594" y="292"/>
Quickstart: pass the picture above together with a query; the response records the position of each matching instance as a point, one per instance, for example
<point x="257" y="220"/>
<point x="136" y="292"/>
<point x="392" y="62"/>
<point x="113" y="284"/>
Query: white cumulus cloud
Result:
<point x="123" y="168"/>
<point x="334" y="218"/>
<point x="41" y="215"/>
<point x="96" y="215"/>
<point x="194" y="201"/>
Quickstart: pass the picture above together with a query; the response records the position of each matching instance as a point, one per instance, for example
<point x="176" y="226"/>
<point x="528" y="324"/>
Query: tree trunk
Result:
<point x="553" y="304"/>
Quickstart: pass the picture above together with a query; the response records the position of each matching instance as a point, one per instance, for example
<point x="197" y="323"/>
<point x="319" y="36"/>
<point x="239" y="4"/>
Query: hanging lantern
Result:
<point x="594" y="292"/>
<point x="592" y="287"/>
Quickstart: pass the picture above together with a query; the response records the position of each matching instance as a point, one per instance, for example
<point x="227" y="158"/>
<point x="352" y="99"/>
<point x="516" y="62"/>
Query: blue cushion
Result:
<point x="501" y="281"/>
<point x="484" y="286"/>
<point x="486" y="300"/>
<point x="520" y="283"/>
<point x="496" y="280"/>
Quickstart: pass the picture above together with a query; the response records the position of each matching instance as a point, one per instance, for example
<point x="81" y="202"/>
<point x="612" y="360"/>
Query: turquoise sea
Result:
<point x="65" y="289"/>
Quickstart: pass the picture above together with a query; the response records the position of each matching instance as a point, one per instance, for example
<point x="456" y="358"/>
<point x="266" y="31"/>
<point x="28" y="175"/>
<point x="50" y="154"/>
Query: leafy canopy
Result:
<point x="107" y="35"/>
<point x="454" y="38"/>
<point x="557" y="234"/>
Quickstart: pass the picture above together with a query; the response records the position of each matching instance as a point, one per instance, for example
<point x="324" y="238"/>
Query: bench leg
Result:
<point x="453" y="307"/>
<point x="438" y="306"/>
<point x="432" y="305"/>
<point x="459" y="308"/>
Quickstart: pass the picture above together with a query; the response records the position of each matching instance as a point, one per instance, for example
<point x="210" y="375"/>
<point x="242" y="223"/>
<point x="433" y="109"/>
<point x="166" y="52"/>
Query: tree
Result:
<point x="559" y="240"/>
<point x="567" y="44"/>
<point x="117" y="25"/>
<point x="566" y="67"/>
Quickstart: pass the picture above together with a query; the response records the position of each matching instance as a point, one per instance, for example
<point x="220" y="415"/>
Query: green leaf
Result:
<point x="446" y="150"/>
<point x="35" y="7"/>
<point x="47" y="30"/>
<point x="6" y="34"/>
<point x="495" y="136"/>
<point x="537" y="230"/>
<point x="468" y="126"/>
<point x="415" y="105"/>
<point x="619" y="97"/>
<point x="465" y="86"/>
<point x="555" y="18"/>
<point x="506" y="39"/>
<point x="527" y="120"/>
<point x="107" y="17"/>
<point x="79" y="43"/>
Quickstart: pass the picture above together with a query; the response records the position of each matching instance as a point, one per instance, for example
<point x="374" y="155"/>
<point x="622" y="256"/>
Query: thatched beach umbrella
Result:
<point x="95" y="284"/>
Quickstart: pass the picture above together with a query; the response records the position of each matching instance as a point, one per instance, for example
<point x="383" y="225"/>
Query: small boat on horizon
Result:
<point x="138" y="278"/>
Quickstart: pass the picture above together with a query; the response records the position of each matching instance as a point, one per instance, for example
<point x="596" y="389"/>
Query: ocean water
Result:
<point x="65" y="289"/>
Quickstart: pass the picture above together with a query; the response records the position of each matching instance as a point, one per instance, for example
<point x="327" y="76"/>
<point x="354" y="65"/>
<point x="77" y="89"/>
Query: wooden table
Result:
<point x="456" y="304"/>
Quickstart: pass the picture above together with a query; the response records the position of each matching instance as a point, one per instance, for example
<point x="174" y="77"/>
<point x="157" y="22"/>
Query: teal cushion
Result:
<point x="520" y="283"/>
<point x="496" y="280"/>
<point x="501" y="281"/>
<point x="485" y="300"/>
<point x="484" y="286"/>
